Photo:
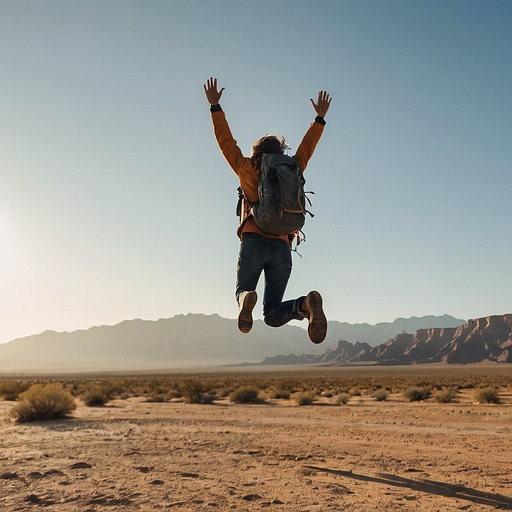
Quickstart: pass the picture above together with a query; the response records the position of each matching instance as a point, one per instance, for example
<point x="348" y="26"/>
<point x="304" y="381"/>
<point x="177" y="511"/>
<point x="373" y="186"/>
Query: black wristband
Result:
<point x="320" y="120"/>
<point x="215" y="108"/>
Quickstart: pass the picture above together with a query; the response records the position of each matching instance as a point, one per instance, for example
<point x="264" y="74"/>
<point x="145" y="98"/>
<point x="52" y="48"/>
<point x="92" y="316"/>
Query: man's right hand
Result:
<point x="323" y="103"/>
<point x="212" y="94"/>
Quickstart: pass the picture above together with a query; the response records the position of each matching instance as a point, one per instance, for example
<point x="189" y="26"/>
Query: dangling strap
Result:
<point x="240" y="200"/>
<point x="297" y="252"/>
<point x="309" y="201"/>
<point x="299" y="237"/>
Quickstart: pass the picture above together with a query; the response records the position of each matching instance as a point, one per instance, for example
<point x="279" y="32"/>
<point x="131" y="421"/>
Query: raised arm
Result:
<point x="322" y="105"/>
<point x="310" y="140"/>
<point x="212" y="93"/>
<point x="240" y="164"/>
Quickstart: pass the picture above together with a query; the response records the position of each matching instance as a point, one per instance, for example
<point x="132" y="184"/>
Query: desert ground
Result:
<point x="365" y="455"/>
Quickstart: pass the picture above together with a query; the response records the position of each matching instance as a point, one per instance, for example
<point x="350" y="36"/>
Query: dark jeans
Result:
<point x="274" y="258"/>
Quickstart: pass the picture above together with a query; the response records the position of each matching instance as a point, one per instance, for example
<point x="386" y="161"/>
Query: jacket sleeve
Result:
<point x="307" y="146"/>
<point x="241" y="165"/>
<point x="227" y="144"/>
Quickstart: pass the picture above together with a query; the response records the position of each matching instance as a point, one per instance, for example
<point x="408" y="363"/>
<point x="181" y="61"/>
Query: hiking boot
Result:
<point x="247" y="302"/>
<point x="312" y="307"/>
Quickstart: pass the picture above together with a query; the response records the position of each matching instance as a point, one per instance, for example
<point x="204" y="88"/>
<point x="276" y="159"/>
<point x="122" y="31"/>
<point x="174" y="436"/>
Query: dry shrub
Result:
<point x="208" y="398"/>
<point x="280" y="394"/>
<point x="113" y="388"/>
<point x="417" y="394"/>
<point x="288" y="384"/>
<point x="95" y="396"/>
<point x="98" y="393"/>
<point x="380" y="395"/>
<point x="342" y="399"/>
<point x="487" y="396"/>
<point x="245" y="395"/>
<point x="11" y="389"/>
<point x="446" y="395"/>
<point x="283" y="389"/>
<point x="304" y="397"/>
<point x="44" y="402"/>
<point x="193" y="390"/>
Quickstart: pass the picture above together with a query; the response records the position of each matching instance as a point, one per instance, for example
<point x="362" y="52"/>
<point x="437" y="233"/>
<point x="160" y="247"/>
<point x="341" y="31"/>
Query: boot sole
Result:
<point x="245" y="320"/>
<point x="317" y="329"/>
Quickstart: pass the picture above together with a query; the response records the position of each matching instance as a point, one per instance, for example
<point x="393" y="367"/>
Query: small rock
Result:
<point x="33" y="498"/>
<point x="52" y="472"/>
<point x="9" y="476"/>
<point x="251" y="497"/>
<point x="80" y="465"/>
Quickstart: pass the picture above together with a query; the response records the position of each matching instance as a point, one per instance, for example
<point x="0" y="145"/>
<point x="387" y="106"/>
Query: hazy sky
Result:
<point x="115" y="202"/>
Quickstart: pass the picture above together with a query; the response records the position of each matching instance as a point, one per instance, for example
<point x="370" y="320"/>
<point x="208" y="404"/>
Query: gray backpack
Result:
<point x="281" y="209"/>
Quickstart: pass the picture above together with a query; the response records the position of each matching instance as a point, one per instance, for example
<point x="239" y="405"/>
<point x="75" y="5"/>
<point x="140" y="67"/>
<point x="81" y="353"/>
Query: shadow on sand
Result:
<point x="440" y="488"/>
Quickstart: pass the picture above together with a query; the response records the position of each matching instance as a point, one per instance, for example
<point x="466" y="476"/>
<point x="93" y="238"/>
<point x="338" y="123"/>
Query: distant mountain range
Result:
<point x="191" y="340"/>
<point x="486" y="339"/>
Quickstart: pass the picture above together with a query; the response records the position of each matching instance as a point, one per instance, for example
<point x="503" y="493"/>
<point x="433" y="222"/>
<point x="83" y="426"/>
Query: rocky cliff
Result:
<point x="486" y="339"/>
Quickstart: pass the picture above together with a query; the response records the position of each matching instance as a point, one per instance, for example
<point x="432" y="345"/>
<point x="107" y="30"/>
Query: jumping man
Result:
<point x="261" y="251"/>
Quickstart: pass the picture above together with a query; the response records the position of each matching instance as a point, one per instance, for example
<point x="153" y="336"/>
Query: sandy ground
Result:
<point x="364" y="456"/>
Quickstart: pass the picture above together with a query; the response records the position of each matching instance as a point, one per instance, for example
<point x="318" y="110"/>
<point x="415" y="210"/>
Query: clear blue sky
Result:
<point x="115" y="202"/>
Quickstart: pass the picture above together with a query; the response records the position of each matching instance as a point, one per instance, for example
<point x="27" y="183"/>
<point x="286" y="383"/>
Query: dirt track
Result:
<point x="364" y="456"/>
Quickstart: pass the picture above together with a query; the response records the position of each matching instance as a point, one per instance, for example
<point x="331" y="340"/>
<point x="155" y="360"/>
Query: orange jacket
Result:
<point x="249" y="174"/>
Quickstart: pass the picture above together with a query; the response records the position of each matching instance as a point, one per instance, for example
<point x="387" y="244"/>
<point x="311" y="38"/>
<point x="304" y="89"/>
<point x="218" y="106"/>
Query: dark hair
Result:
<point x="269" y="143"/>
